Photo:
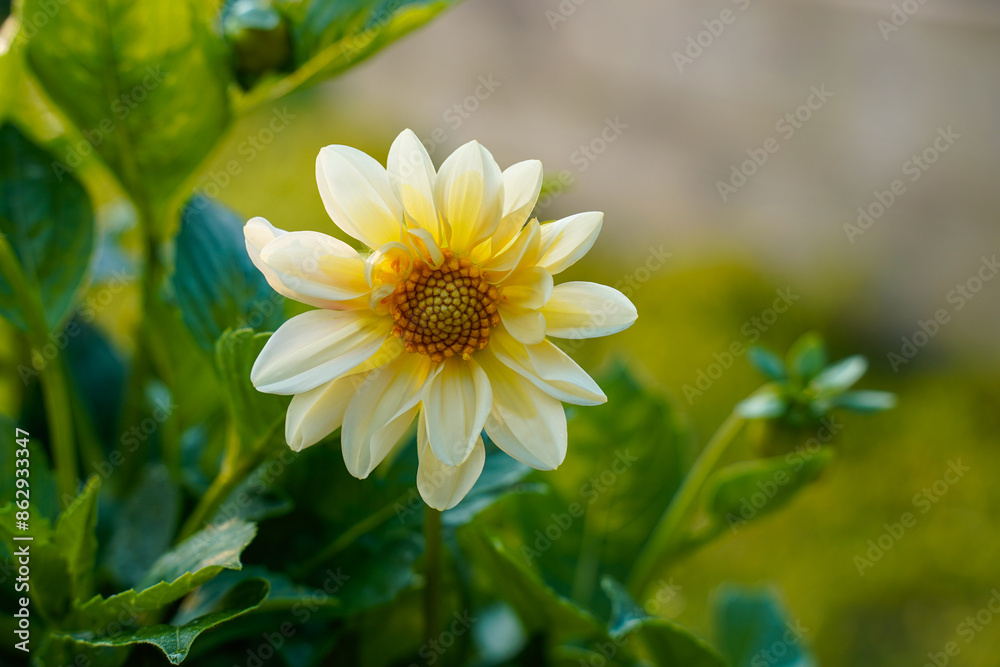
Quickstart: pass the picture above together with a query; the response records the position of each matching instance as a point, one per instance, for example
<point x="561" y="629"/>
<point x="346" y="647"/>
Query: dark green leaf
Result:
<point x="501" y="475"/>
<point x="146" y="83"/>
<point x="144" y="526"/>
<point x="48" y="221"/>
<point x="175" y="574"/>
<point x="767" y="362"/>
<point x="75" y="540"/>
<point x="175" y="640"/>
<point x="539" y="606"/>
<point x="216" y="284"/>
<point x="750" y="489"/>
<point x="257" y="416"/>
<point x="255" y="499"/>
<point x="657" y="639"/>
<point x="754" y="629"/>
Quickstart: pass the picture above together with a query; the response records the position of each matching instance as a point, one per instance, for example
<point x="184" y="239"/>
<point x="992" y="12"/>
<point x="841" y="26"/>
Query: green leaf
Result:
<point x="175" y="640"/>
<point x="257" y="416"/>
<point x="663" y="642"/>
<point x="216" y="284"/>
<point x="254" y="499"/>
<point x="807" y="356"/>
<point x="49" y="224"/>
<point x="767" y="362"/>
<point x="839" y="377"/>
<point x="213" y="548"/>
<point x="765" y="403"/>
<point x="75" y="540"/>
<point x="330" y="37"/>
<point x="752" y="625"/>
<point x="144" y="526"/>
<point x="146" y="83"/>
<point x="540" y="607"/>
<point x="175" y="574"/>
<point x="864" y="401"/>
<point x="750" y="489"/>
<point x="501" y="476"/>
<point x="11" y="63"/>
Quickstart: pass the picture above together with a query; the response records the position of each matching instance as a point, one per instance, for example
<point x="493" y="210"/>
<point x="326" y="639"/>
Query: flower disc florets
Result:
<point x="446" y="310"/>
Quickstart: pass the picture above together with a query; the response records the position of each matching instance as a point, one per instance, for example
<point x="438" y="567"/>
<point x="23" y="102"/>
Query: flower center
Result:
<point x="445" y="311"/>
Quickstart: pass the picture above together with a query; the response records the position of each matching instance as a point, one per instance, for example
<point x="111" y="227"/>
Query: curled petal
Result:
<point x="521" y="253"/>
<point x="521" y="184"/>
<point x="316" y="267"/>
<point x="548" y="368"/>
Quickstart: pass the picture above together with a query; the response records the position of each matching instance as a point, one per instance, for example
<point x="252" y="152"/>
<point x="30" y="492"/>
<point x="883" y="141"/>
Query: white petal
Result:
<point x="316" y="267"/>
<point x="469" y="196"/>
<point x="456" y="403"/>
<point x="530" y="287"/>
<point x="316" y="347"/>
<point x="441" y="486"/>
<point x="356" y="193"/>
<point x="412" y="176"/>
<point x="382" y="408"/>
<point x="525" y="324"/>
<point x="525" y="422"/>
<point x="567" y="240"/>
<point x="521" y="184"/>
<point x="315" y="414"/>
<point x="548" y="368"/>
<point x="587" y="310"/>
<point x="257" y="233"/>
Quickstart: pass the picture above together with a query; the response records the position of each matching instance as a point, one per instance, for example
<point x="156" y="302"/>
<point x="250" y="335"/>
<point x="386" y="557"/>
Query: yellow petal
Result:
<point x="548" y="368"/>
<point x="316" y="267"/>
<point x="315" y="414"/>
<point x="412" y="176"/>
<point x="469" y="196"/>
<point x="521" y="184"/>
<point x="567" y="240"/>
<point x="442" y="486"/>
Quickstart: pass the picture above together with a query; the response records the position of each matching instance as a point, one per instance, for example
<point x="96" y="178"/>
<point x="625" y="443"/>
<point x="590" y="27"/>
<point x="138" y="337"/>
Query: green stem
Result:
<point x="668" y="531"/>
<point x="55" y="388"/>
<point x="349" y="537"/>
<point x="232" y="473"/>
<point x="432" y="567"/>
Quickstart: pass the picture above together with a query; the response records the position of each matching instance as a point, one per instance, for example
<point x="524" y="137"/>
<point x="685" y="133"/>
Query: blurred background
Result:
<point x="731" y="145"/>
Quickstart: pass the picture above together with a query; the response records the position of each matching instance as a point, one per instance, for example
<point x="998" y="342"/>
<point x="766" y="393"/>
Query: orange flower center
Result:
<point x="445" y="311"/>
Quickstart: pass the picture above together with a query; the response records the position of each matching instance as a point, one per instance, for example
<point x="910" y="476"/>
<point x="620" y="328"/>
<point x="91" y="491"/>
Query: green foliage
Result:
<point x="258" y="417"/>
<point x="146" y="84"/>
<point x="216" y="285"/>
<point x="47" y="219"/>
<point x="751" y="489"/>
<point x="754" y="629"/>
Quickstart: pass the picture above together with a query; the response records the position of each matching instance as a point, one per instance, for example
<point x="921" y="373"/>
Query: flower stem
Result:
<point x="432" y="567"/>
<point x="667" y="532"/>
<point x="55" y="388"/>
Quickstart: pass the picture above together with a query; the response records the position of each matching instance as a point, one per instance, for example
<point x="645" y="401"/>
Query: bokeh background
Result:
<point x="595" y="89"/>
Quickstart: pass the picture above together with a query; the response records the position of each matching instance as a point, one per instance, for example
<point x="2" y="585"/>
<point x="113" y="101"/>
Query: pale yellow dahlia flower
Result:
<point x="443" y="321"/>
